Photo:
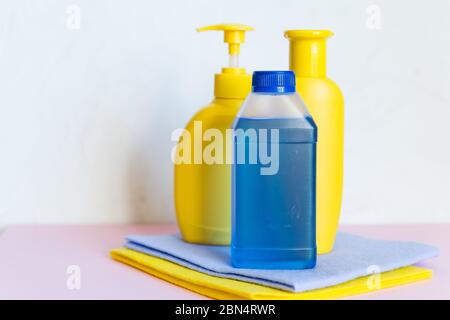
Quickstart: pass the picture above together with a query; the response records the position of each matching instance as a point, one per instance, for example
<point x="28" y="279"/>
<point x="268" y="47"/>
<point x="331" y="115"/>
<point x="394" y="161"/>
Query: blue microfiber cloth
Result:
<point x="353" y="257"/>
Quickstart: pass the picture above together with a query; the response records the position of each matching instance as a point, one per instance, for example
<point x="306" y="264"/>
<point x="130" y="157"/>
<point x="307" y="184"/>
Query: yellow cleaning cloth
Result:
<point x="222" y="288"/>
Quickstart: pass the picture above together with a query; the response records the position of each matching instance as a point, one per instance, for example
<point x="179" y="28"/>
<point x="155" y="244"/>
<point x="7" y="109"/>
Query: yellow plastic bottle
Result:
<point x="203" y="190"/>
<point x="307" y="58"/>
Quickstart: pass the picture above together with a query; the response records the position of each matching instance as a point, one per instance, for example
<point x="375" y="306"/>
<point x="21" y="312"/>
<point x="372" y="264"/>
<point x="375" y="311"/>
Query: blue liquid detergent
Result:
<point x="273" y="216"/>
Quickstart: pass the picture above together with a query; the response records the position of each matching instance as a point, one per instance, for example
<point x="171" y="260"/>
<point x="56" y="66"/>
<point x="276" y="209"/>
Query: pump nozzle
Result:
<point x="234" y="35"/>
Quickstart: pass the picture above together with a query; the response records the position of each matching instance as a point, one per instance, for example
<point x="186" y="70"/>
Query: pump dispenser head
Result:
<point x="233" y="82"/>
<point x="234" y="35"/>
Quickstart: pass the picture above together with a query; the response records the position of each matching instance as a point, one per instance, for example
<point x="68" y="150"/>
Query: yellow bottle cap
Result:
<point x="307" y="34"/>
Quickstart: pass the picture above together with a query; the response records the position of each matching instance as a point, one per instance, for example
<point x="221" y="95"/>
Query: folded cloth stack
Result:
<point x="357" y="265"/>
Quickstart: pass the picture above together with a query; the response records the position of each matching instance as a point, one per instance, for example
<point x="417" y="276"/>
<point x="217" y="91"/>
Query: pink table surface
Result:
<point x="34" y="261"/>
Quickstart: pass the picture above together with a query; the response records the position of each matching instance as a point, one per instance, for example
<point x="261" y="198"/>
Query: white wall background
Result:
<point x="86" y="114"/>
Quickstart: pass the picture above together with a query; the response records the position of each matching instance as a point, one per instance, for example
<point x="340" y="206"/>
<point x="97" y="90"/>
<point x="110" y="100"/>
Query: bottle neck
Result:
<point x="232" y="83"/>
<point x="308" y="57"/>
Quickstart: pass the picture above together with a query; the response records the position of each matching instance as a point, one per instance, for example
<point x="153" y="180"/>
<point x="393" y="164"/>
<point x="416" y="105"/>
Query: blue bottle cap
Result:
<point x="274" y="82"/>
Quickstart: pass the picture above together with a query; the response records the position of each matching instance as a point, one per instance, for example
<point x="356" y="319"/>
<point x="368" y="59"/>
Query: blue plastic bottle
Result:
<point x="274" y="177"/>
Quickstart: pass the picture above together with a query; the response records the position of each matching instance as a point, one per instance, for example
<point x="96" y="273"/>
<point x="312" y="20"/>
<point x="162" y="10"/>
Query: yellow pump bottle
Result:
<point x="203" y="190"/>
<point x="307" y="58"/>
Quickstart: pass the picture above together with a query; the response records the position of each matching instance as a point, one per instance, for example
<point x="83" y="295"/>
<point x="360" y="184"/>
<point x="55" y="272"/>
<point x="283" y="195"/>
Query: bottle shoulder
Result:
<point x="219" y="112"/>
<point x="325" y="86"/>
<point x="273" y="106"/>
<point x="322" y="96"/>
